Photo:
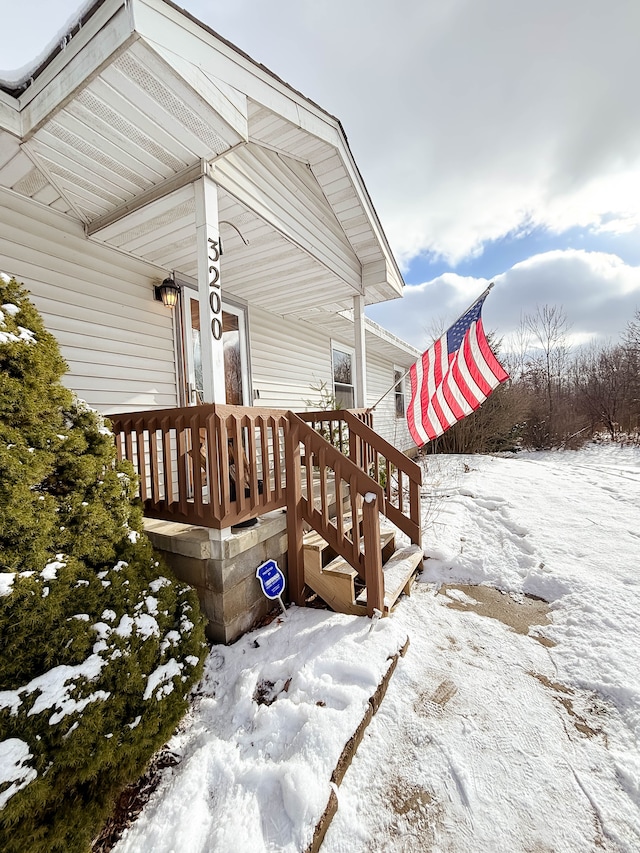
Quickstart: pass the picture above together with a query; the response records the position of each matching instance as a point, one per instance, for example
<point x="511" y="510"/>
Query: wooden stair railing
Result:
<point x="350" y="431"/>
<point x="381" y="460"/>
<point x="360" y="546"/>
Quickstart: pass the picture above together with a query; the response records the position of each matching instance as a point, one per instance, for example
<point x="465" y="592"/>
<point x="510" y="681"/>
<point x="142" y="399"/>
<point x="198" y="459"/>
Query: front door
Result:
<point x="234" y="341"/>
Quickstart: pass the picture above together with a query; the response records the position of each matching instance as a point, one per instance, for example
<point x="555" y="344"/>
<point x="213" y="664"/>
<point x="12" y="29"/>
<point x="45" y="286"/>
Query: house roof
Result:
<point x="116" y="122"/>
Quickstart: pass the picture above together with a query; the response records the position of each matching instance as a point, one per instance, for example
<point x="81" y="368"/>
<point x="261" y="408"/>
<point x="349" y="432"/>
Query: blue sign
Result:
<point x="271" y="579"/>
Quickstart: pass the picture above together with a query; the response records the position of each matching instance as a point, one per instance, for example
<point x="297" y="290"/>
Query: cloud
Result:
<point x="469" y="120"/>
<point x="599" y="293"/>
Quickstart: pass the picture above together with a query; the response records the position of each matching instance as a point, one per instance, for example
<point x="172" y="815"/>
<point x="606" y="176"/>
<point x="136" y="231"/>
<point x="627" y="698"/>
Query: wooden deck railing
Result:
<point x="311" y="459"/>
<point x="190" y="461"/>
<point x="350" y="431"/>
<point x="210" y="465"/>
<point x="332" y="426"/>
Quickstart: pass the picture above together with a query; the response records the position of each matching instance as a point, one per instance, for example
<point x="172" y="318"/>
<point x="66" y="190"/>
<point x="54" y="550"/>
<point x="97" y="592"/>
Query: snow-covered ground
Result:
<point x="488" y="739"/>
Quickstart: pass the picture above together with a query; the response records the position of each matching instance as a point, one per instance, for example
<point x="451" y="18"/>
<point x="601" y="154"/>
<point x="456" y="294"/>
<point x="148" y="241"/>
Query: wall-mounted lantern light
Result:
<point x="167" y="293"/>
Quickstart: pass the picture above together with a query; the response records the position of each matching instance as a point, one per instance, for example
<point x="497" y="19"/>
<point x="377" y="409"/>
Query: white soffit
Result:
<point x="258" y="263"/>
<point x="378" y="339"/>
<point x="327" y="165"/>
<point x="134" y="126"/>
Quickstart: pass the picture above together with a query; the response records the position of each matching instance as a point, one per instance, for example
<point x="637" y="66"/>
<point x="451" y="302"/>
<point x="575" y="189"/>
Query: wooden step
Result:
<point x="335" y="584"/>
<point x="335" y="581"/>
<point x="398" y="574"/>
<point x="315" y="542"/>
<point x="313" y="539"/>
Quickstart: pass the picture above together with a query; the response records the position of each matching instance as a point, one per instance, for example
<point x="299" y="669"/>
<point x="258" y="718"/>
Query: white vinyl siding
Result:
<point x="380" y="377"/>
<point x="117" y="341"/>
<point x="287" y="358"/>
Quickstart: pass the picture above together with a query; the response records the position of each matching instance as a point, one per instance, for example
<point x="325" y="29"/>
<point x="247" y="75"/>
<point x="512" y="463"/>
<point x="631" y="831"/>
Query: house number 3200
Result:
<point x="215" y="295"/>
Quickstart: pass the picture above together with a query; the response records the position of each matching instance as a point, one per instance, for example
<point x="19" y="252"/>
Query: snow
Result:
<point x="50" y="571"/>
<point x="54" y="689"/>
<point x="25" y="335"/>
<point x="145" y="625"/>
<point x="490" y="738"/>
<point x="160" y="681"/>
<point x="14" y="754"/>
<point x="19" y="76"/>
<point x="6" y="582"/>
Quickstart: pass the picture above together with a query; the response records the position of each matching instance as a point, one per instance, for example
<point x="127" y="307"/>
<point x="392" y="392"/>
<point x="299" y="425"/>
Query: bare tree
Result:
<point x="549" y="328"/>
<point x="602" y="383"/>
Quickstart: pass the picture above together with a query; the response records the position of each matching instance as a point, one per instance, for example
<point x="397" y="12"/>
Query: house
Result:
<point x="147" y="162"/>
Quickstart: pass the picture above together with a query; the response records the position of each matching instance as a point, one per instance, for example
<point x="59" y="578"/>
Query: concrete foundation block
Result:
<point x="223" y="571"/>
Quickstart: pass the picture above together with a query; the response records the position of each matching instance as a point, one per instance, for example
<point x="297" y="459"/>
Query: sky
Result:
<point x="498" y="140"/>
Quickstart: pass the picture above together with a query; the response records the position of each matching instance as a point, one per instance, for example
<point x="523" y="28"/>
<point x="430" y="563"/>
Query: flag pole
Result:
<point x="407" y="372"/>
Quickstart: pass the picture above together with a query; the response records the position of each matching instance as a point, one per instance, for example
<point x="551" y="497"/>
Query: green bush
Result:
<point x="99" y="648"/>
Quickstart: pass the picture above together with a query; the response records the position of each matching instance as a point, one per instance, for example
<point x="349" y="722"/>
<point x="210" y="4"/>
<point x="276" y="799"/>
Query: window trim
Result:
<point x="400" y="393"/>
<point x="337" y="346"/>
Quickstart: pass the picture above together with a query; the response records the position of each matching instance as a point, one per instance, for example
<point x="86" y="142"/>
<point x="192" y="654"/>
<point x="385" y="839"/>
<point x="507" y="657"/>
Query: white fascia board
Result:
<point x="394" y="276"/>
<point x="403" y="349"/>
<point x="10" y="119"/>
<point x="382" y="272"/>
<point x="165" y="25"/>
<point x="105" y="35"/>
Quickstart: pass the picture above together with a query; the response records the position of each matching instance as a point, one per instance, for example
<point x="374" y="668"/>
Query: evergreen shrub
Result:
<point x="99" y="647"/>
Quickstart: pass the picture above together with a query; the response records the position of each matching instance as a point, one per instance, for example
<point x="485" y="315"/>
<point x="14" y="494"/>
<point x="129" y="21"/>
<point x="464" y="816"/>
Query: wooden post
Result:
<point x="373" y="576"/>
<point x="295" y="554"/>
<point x="414" y="501"/>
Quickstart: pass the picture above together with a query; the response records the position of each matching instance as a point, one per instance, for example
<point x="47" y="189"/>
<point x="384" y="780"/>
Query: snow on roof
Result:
<point x="16" y="80"/>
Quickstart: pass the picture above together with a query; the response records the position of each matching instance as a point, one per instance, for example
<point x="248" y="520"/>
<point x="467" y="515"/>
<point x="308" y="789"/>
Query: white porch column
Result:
<point x="360" y="352"/>
<point x="209" y="290"/>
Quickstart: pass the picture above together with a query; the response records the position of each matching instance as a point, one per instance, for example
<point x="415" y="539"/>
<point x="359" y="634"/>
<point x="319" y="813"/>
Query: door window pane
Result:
<point x="232" y="358"/>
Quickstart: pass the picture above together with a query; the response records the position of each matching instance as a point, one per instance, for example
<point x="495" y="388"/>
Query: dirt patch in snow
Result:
<point x="563" y="695"/>
<point x="519" y="612"/>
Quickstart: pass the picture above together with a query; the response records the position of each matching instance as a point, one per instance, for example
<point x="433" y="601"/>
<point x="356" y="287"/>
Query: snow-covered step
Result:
<point x="314" y="542"/>
<point x="398" y="574"/>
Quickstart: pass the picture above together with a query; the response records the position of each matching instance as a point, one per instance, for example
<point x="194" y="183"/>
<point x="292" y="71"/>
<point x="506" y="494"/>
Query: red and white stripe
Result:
<point x="446" y="387"/>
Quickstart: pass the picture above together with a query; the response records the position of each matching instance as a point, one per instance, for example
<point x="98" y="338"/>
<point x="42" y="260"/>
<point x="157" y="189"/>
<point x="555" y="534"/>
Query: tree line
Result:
<point x="557" y="396"/>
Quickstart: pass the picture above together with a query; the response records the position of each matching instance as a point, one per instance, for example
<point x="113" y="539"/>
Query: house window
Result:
<point x="398" y="376"/>
<point x="343" y="389"/>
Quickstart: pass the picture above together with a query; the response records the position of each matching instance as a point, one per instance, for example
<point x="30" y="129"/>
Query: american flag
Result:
<point x="453" y="377"/>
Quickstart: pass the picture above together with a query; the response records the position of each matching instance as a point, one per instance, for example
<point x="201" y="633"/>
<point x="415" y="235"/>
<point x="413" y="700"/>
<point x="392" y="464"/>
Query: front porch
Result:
<point x="324" y="468"/>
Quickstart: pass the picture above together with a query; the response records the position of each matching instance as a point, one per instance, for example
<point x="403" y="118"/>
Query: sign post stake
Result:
<point x="272" y="582"/>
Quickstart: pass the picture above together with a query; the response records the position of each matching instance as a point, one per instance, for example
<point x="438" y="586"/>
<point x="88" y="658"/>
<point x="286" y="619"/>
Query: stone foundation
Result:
<point x="223" y="570"/>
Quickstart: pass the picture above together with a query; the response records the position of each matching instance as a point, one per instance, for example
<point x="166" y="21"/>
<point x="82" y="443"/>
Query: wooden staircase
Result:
<point x="354" y="567"/>
<point x="339" y="585"/>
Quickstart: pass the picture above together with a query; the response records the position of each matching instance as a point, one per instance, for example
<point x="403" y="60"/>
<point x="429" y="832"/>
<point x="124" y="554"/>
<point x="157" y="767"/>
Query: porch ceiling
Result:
<point x="116" y="129"/>
<point x="258" y="263"/>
